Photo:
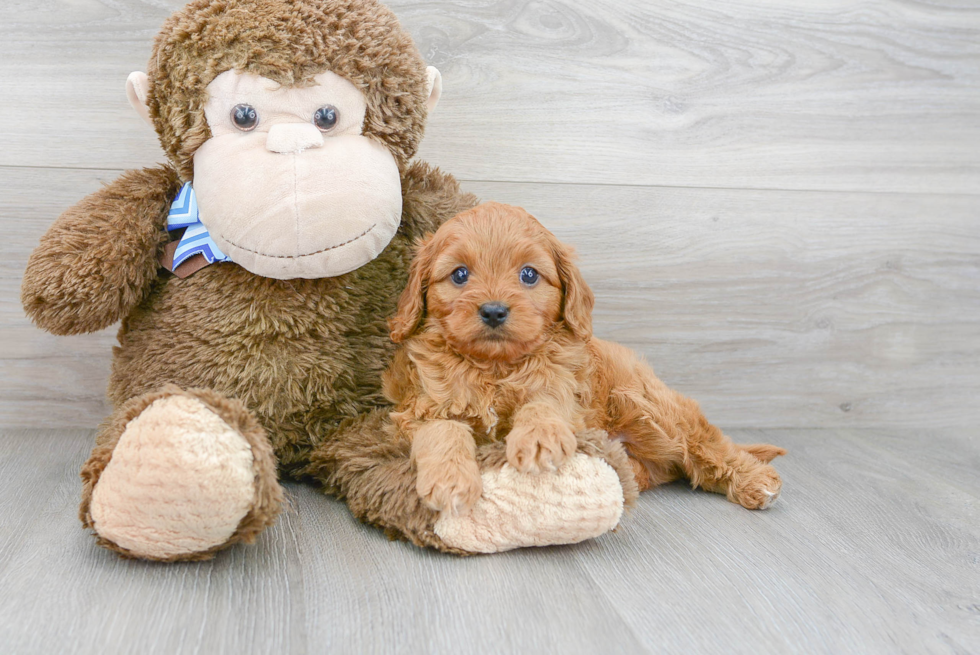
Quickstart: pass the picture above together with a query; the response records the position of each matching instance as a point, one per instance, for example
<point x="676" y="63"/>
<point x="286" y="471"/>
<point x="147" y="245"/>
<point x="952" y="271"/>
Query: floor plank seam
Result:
<point x="587" y="185"/>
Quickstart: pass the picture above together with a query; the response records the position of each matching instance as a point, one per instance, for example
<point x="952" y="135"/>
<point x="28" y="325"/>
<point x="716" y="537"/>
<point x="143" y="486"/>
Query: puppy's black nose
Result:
<point x="494" y="313"/>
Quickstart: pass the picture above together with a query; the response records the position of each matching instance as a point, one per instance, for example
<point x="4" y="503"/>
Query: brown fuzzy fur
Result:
<point x="98" y="260"/>
<point x="304" y="355"/>
<point x="538" y="378"/>
<point x="302" y="358"/>
<point x="268" y="498"/>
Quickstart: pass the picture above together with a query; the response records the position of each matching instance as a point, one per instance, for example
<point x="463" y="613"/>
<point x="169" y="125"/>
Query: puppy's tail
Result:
<point x="762" y="451"/>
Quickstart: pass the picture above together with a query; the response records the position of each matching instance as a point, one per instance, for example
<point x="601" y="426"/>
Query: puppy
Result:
<point x="496" y="342"/>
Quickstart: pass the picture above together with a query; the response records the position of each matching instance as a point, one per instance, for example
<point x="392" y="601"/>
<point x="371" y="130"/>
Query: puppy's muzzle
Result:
<point x="494" y="313"/>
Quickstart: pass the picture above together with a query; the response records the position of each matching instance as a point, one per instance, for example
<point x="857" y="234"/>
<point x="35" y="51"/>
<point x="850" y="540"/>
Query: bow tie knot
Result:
<point x="196" y="240"/>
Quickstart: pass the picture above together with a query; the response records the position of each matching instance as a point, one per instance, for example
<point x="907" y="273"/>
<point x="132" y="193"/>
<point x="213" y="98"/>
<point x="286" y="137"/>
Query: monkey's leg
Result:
<point x="369" y="466"/>
<point x="178" y="475"/>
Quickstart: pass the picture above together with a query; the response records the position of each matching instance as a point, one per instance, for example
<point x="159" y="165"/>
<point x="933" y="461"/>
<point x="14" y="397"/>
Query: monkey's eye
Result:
<point x="529" y="276"/>
<point x="244" y="117"/>
<point x="460" y="276"/>
<point x="326" y="117"/>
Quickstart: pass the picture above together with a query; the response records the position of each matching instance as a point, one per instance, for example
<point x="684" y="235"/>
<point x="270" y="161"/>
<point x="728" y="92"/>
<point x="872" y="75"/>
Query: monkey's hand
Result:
<point x="582" y="499"/>
<point x="97" y="261"/>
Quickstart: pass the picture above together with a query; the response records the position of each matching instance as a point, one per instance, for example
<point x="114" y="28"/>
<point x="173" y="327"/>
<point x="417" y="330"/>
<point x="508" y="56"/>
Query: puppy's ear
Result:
<point x="577" y="298"/>
<point x="411" y="304"/>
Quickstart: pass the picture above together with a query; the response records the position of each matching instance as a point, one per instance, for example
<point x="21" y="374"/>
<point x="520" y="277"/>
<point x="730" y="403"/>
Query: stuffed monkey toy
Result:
<point x="253" y="274"/>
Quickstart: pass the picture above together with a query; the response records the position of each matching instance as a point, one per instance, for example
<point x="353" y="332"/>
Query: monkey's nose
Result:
<point x="494" y="313"/>
<point x="293" y="137"/>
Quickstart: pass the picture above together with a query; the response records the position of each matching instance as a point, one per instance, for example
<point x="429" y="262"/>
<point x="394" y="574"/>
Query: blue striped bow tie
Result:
<point x="196" y="239"/>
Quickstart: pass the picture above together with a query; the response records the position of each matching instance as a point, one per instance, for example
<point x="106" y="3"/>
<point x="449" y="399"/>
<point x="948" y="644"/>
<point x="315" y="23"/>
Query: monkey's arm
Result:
<point x="97" y="261"/>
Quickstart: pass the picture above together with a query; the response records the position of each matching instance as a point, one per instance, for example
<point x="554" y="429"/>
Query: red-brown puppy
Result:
<point x="496" y="334"/>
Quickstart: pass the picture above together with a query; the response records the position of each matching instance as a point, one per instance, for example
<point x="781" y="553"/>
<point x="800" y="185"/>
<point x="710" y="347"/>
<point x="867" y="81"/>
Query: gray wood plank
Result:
<point x="772" y="308"/>
<point x="406" y="600"/>
<point x="872" y="548"/>
<point x="880" y="96"/>
<point x="62" y="593"/>
<point x="786" y="309"/>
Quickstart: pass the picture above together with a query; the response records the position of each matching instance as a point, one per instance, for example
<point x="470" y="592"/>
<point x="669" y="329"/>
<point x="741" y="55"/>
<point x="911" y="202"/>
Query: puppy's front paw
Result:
<point x="541" y="447"/>
<point x="450" y="488"/>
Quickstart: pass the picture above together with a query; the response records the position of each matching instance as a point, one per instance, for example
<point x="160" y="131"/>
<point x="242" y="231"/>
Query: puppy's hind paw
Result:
<point x="759" y="490"/>
<point x="771" y="497"/>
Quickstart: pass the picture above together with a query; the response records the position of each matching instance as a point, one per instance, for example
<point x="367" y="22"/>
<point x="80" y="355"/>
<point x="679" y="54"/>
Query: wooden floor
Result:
<point x="778" y="203"/>
<point x="871" y="549"/>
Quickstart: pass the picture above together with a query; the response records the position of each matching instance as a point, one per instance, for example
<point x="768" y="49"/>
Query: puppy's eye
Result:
<point x="460" y="276"/>
<point x="529" y="276"/>
<point x="326" y="117"/>
<point x="244" y="117"/>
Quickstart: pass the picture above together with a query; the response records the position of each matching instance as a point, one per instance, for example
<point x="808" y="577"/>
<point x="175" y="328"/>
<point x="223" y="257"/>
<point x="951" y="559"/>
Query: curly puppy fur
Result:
<point x="463" y="378"/>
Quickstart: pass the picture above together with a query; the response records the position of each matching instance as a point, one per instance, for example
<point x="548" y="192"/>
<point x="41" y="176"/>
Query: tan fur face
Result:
<point x="295" y="146"/>
<point x="284" y="198"/>
<point x="511" y="264"/>
<point x="289" y="42"/>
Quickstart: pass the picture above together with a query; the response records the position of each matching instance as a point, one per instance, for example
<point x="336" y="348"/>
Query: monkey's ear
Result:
<point x="411" y="305"/>
<point x="433" y="85"/>
<point x="577" y="298"/>
<point x="137" y="86"/>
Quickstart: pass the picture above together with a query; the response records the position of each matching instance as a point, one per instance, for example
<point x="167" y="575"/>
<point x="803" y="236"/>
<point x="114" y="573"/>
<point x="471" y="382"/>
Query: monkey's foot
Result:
<point x="581" y="500"/>
<point x="188" y="474"/>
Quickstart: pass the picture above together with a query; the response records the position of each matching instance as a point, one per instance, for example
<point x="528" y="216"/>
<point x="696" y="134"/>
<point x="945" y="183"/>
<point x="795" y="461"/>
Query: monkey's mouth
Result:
<point x="300" y="255"/>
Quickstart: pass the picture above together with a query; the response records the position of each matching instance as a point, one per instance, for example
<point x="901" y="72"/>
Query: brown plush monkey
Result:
<point x="293" y="205"/>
